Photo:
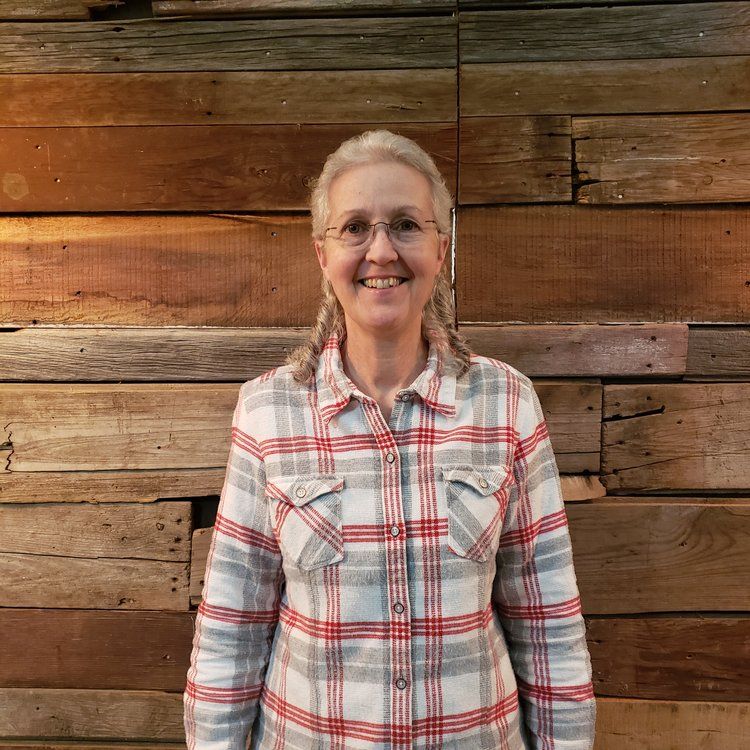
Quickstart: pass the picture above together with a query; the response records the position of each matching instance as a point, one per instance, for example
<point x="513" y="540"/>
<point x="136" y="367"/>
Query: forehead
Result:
<point x="379" y="188"/>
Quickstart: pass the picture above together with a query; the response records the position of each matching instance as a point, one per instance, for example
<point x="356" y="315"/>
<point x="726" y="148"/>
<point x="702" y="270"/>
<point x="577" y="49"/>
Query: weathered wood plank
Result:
<point x="514" y="159"/>
<point x="95" y="649"/>
<point x="91" y="714"/>
<point x="677" y="436"/>
<point x="625" y="724"/>
<point x="584" y="350"/>
<point x="617" y="32"/>
<point x="58" y="745"/>
<point x="106" y="486"/>
<point x="583" y="264"/>
<point x="67" y="10"/>
<point x="689" y="84"/>
<point x="153" y="354"/>
<point x="679" y="658"/>
<point x="220" y="270"/>
<point x="144" y="531"/>
<point x="218" y="8"/>
<point x="100" y="583"/>
<point x="718" y="352"/>
<point x="78" y="427"/>
<point x="179" y="354"/>
<point x="166" y="44"/>
<point x="661" y="557"/>
<point x="667" y="158"/>
<point x="210" y="168"/>
<point x="118" y="426"/>
<point x="228" y="98"/>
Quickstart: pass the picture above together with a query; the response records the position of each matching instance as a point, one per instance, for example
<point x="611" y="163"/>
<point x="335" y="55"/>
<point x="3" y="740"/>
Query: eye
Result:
<point x="358" y="226"/>
<point x="407" y="225"/>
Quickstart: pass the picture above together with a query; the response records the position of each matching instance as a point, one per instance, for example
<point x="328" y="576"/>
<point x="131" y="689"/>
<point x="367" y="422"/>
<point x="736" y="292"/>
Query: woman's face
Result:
<point x="371" y="193"/>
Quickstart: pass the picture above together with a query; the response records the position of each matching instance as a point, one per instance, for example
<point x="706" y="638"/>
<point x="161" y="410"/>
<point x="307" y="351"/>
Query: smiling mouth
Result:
<point x="401" y="281"/>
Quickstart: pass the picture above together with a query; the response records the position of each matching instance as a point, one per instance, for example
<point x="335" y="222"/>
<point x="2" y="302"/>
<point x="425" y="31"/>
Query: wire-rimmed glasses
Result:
<point x="403" y="232"/>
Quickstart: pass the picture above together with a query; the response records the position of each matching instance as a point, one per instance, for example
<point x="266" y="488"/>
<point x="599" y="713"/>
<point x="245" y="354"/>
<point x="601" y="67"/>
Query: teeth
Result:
<point x="382" y="283"/>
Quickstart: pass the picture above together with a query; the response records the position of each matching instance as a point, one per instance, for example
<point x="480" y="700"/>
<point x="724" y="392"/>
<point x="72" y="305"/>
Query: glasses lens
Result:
<point x="403" y="232"/>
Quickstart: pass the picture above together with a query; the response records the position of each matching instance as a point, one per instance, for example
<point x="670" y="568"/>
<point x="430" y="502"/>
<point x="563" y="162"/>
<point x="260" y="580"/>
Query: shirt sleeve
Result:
<point x="535" y="594"/>
<point x="236" y="619"/>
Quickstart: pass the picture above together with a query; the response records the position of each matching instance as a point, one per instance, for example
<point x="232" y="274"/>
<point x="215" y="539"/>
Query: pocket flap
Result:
<point x="484" y="479"/>
<point x="300" y="490"/>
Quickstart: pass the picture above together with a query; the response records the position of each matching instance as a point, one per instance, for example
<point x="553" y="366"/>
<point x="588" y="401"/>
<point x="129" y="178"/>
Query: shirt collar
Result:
<point x="335" y="388"/>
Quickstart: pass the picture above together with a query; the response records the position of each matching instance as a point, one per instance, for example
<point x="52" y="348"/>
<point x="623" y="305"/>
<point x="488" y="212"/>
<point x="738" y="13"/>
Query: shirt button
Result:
<point x="400" y="683"/>
<point x="483" y="482"/>
<point x="395" y="531"/>
<point x="405" y="396"/>
<point x="301" y="492"/>
<point x="390" y="457"/>
<point x="398" y="607"/>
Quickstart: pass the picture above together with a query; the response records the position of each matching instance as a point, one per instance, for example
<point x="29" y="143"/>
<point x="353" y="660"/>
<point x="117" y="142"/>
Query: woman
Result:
<point x="391" y="565"/>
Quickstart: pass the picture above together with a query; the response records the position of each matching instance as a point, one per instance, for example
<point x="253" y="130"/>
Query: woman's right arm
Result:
<point x="237" y="617"/>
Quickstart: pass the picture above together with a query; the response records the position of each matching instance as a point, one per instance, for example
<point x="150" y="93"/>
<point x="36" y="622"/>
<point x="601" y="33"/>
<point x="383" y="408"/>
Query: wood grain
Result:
<point x="95" y="649"/>
<point x="678" y="436"/>
<point x="584" y="350"/>
<point x="140" y="426"/>
<point x="228" y="98"/>
<point x="282" y="7"/>
<point x="181" y="168"/>
<point x="612" y="33"/>
<point x="661" y="557"/>
<point x="702" y="158"/>
<point x="181" y="45"/>
<point x="680" y="658"/>
<point x="581" y="87"/>
<point x="64" y="10"/>
<point x="576" y="264"/>
<point x="91" y="714"/>
<point x="125" y="486"/>
<point x="626" y="724"/>
<point x="514" y="159"/>
<point x="110" y="556"/>
<point x="719" y="352"/>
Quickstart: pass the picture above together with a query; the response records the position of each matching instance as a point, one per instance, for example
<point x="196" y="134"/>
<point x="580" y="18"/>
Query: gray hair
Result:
<point x="439" y="314"/>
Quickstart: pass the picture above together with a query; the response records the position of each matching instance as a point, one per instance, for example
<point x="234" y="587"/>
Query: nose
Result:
<point x="381" y="249"/>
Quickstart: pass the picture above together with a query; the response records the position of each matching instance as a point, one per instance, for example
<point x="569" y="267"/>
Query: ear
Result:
<point x="445" y="242"/>
<point x="320" y="252"/>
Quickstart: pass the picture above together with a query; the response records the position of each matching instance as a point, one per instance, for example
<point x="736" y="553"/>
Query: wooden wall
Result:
<point x="154" y="165"/>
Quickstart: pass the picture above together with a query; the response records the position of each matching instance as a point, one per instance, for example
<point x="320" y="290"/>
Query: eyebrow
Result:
<point x="362" y="210"/>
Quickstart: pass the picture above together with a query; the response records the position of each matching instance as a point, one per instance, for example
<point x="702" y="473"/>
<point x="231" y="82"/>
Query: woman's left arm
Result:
<point x="535" y="594"/>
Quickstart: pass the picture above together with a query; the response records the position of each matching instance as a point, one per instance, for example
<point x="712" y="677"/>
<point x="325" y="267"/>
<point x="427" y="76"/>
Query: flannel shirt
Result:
<point x="390" y="585"/>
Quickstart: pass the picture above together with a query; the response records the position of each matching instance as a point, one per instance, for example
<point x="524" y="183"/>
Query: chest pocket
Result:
<point x="306" y="510"/>
<point x="476" y="507"/>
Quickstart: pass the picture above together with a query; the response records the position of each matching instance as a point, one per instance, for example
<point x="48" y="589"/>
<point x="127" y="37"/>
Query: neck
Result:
<point x="381" y="366"/>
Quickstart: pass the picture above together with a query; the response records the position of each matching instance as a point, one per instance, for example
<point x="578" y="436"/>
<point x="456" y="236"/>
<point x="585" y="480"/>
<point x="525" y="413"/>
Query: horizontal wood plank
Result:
<point x="625" y="724"/>
<point x="227" y="98"/>
<point x="514" y="159"/>
<point x="95" y="649"/>
<point x="677" y="436"/>
<point x="661" y="557"/>
<point x="63" y="10"/>
<point x="585" y="350"/>
<point x="611" y="33"/>
<point x="581" y="87"/>
<point x="571" y="264"/>
<point x="678" y="658"/>
<point x="209" y="168"/>
<point x="219" y="8"/>
<point x="181" y="45"/>
<point x="91" y="714"/>
<point x="701" y="158"/>
<point x="125" y="486"/>
<point x="719" y="352"/>
<point x="139" y="426"/>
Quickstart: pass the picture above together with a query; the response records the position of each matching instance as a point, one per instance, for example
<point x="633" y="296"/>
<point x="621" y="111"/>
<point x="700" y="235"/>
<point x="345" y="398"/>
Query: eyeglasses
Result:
<point x="403" y="232"/>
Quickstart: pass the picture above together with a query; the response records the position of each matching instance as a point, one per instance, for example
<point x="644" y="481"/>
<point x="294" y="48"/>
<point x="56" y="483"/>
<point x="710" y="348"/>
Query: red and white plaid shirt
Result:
<point x="400" y="585"/>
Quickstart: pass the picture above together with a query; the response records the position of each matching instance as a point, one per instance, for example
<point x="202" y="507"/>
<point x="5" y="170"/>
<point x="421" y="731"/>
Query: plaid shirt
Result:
<point x="400" y="585"/>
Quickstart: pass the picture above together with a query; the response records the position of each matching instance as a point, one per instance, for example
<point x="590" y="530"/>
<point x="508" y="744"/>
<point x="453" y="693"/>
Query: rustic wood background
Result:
<point x="155" y="158"/>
